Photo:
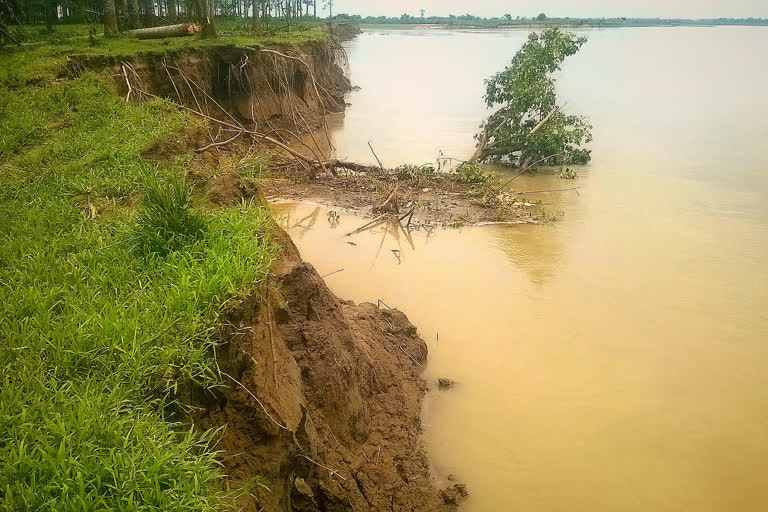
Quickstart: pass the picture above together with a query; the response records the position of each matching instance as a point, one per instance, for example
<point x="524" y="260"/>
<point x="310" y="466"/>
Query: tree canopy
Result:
<point x="528" y="124"/>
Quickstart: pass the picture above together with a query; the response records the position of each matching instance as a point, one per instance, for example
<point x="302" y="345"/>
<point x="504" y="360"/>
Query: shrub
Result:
<point x="471" y="172"/>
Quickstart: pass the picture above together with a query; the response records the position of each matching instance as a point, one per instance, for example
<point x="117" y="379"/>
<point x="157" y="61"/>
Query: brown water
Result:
<point x="614" y="360"/>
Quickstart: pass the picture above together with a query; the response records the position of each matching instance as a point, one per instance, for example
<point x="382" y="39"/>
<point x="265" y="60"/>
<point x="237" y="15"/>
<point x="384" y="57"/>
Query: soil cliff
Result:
<point x="326" y="401"/>
<point x="325" y="396"/>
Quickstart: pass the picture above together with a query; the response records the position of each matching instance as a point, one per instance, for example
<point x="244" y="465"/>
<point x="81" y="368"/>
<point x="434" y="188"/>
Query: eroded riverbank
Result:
<point x="162" y="333"/>
<point x="614" y="359"/>
<point x="325" y="404"/>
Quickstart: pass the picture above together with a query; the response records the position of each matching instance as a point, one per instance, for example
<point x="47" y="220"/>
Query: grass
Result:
<point x="43" y="54"/>
<point x="108" y="312"/>
<point x="169" y="221"/>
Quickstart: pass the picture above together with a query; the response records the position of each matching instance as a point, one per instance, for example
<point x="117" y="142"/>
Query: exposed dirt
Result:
<point x="325" y="396"/>
<point x="262" y="89"/>
<point x="337" y="423"/>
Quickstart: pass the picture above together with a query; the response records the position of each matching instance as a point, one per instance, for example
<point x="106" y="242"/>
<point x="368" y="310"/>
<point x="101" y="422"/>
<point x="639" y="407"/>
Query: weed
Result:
<point x="252" y="167"/>
<point x="409" y="172"/>
<point x="471" y="172"/>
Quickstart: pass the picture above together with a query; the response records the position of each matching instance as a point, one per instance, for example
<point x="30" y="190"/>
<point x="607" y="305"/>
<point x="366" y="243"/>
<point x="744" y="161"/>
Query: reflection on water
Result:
<point x="614" y="360"/>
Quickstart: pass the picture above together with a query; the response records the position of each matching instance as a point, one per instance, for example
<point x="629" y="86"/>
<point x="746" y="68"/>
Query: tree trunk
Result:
<point x="496" y="151"/>
<point x="183" y="29"/>
<point x="207" y="21"/>
<point x="121" y="10"/>
<point x="483" y="151"/>
<point x="255" y="22"/>
<point x="110" y="18"/>
<point x="149" y="13"/>
<point x="172" y="10"/>
<point x="480" y="146"/>
<point x="51" y="14"/>
<point x="314" y="6"/>
<point x="133" y="14"/>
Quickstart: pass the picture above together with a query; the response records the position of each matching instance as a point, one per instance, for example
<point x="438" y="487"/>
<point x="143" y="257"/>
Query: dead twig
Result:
<point x="367" y="225"/>
<point x="218" y="144"/>
<point x="406" y="215"/>
<point x="375" y="156"/>
<point x="257" y="401"/>
<point x="331" y="471"/>
<point x="409" y="355"/>
<point x="127" y="82"/>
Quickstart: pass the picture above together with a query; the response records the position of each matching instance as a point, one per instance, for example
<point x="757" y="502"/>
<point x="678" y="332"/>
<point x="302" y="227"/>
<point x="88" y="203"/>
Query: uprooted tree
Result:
<point x="528" y="125"/>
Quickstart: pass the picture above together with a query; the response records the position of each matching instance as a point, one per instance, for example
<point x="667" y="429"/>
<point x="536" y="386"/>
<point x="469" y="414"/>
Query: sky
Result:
<point x="560" y="8"/>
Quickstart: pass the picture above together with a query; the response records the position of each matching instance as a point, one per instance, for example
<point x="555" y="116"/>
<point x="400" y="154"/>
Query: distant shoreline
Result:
<point x="403" y="26"/>
<point x="497" y="23"/>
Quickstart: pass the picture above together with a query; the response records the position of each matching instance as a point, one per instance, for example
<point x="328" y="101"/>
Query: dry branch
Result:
<point x="217" y="144"/>
<point x="257" y="401"/>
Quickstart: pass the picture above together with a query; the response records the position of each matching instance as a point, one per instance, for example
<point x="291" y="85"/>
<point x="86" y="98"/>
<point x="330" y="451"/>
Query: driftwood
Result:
<point x="180" y="30"/>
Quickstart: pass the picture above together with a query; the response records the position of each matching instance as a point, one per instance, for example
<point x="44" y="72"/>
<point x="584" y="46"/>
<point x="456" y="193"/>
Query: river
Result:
<point x="613" y="360"/>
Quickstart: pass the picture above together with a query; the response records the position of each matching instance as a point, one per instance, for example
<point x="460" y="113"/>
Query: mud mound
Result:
<point x="326" y="408"/>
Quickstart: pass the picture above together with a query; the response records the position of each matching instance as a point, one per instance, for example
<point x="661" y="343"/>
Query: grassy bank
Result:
<point x="111" y="287"/>
<point x="43" y="54"/>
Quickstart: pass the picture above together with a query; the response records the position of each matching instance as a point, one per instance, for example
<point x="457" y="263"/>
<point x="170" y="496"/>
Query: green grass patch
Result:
<point x="107" y="318"/>
<point x="45" y="54"/>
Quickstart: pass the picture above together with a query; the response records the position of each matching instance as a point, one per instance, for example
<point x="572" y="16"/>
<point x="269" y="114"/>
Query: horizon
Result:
<point x="679" y="9"/>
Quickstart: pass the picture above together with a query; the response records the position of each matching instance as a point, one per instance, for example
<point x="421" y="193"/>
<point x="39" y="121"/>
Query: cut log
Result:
<point x="180" y="30"/>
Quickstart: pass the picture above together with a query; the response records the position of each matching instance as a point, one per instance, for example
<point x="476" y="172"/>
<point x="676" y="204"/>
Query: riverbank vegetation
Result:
<point x="541" y="20"/>
<point x="28" y="20"/>
<point x="528" y="126"/>
<point x="113" y="281"/>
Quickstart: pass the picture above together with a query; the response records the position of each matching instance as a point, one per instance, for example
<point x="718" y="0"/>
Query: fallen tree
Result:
<point x="528" y="125"/>
<point x="180" y="30"/>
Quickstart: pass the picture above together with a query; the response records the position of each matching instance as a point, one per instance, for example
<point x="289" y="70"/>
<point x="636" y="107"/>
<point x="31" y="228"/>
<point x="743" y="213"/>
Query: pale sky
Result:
<point x="583" y="8"/>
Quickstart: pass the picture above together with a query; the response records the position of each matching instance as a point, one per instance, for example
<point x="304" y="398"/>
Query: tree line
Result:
<point x="542" y="20"/>
<point x="122" y="15"/>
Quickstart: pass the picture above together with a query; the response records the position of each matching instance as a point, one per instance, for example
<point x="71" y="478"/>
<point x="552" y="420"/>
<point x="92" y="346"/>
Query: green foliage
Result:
<point x="524" y="93"/>
<point x="99" y="346"/>
<point x="471" y="172"/>
<point x="168" y="221"/>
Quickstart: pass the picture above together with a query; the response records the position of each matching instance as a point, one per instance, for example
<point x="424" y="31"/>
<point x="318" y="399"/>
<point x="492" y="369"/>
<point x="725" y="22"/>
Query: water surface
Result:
<point x="614" y="360"/>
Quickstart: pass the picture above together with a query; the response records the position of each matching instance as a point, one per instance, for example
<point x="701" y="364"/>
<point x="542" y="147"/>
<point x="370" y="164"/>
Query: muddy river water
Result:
<point x="613" y="360"/>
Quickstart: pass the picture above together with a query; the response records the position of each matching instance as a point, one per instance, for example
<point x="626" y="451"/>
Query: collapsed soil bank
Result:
<point x="325" y="396"/>
<point x="328" y="402"/>
<point x="261" y="88"/>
